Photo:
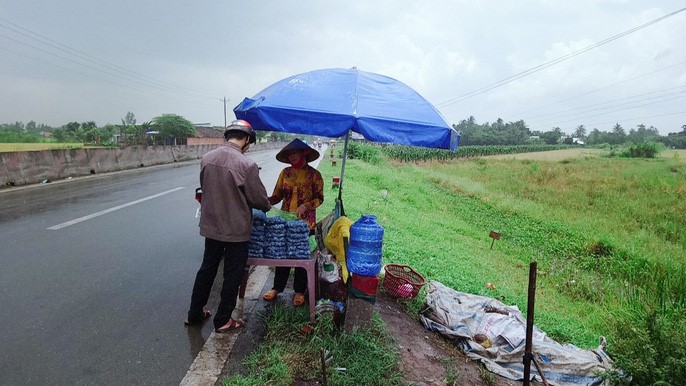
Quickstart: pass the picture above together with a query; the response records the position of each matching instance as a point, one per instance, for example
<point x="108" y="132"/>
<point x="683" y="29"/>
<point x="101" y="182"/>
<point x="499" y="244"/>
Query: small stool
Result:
<point x="336" y="183"/>
<point x="310" y="266"/>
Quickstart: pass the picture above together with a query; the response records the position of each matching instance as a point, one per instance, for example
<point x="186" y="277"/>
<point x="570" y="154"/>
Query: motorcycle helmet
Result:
<point x="242" y="126"/>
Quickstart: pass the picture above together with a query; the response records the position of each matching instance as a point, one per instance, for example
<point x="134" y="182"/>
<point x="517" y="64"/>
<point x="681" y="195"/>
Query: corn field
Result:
<point x="420" y="154"/>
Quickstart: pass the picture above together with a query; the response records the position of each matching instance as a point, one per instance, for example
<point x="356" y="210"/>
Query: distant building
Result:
<point x="356" y="136"/>
<point x="207" y="136"/>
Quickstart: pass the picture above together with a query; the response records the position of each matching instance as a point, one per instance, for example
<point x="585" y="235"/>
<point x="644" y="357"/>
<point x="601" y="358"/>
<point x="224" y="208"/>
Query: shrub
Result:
<point x="651" y="347"/>
<point x="365" y="152"/>
<point x="642" y="150"/>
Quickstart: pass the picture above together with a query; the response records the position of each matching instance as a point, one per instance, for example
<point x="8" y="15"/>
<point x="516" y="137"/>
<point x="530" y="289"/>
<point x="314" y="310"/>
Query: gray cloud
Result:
<point x="103" y="59"/>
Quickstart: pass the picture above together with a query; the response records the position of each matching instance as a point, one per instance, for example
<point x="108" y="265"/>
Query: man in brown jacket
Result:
<point x="231" y="187"/>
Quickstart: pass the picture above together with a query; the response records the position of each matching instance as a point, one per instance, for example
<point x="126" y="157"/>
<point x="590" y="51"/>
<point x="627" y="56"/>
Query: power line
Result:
<point x="601" y="88"/>
<point x="598" y="106"/>
<point x="97" y="77"/>
<point x="119" y="71"/>
<point x="600" y="111"/>
<point x="552" y="62"/>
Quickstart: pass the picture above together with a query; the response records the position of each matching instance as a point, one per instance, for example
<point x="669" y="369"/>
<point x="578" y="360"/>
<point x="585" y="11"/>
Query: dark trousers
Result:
<point x="235" y="256"/>
<point x="299" y="279"/>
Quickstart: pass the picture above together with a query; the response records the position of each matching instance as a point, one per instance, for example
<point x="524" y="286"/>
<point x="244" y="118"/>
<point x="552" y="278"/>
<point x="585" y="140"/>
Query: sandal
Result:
<point x="230" y="325"/>
<point x="205" y="315"/>
<point x="298" y="299"/>
<point x="270" y="295"/>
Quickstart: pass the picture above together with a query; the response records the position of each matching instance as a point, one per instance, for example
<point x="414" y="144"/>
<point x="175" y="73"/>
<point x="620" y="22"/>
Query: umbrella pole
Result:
<point x="343" y="156"/>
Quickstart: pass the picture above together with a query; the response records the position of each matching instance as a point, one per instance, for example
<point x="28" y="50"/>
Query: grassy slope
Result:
<point x="437" y="219"/>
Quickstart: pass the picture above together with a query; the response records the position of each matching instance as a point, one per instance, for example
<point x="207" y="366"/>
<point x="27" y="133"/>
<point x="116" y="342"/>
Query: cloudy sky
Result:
<point x="552" y="63"/>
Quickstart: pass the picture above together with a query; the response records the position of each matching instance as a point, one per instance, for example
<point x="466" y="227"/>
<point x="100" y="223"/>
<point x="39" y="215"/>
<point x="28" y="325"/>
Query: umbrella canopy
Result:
<point x="333" y="102"/>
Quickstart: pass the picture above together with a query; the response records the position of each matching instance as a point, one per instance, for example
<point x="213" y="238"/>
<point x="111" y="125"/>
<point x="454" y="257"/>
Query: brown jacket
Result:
<point x="231" y="187"/>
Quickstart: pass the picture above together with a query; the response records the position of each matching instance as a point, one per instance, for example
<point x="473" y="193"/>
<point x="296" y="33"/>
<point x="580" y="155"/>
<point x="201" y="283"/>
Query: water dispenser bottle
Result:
<point x="364" y="252"/>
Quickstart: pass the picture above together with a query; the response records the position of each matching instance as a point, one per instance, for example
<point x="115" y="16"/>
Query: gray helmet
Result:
<point x="242" y="126"/>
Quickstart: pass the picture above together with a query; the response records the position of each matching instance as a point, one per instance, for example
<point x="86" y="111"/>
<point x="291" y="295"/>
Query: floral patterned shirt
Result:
<point x="300" y="186"/>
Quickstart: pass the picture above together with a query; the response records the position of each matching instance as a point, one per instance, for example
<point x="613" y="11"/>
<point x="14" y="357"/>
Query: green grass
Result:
<point x="288" y="354"/>
<point x="9" y="147"/>
<point x="607" y="234"/>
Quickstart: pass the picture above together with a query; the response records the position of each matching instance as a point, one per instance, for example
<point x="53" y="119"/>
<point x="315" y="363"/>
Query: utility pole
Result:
<point x="224" y="110"/>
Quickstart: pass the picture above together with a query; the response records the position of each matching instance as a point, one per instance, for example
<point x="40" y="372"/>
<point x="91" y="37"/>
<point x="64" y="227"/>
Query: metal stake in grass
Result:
<point x="326" y="357"/>
<point x="495" y="236"/>
<point x="528" y="345"/>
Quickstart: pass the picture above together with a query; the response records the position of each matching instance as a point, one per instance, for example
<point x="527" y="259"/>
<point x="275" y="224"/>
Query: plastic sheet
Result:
<point x="463" y="317"/>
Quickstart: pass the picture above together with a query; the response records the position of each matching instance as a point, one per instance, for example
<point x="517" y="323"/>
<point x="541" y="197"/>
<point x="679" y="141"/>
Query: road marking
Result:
<point x="208" y="365"/>
<point x="90" y="216"/>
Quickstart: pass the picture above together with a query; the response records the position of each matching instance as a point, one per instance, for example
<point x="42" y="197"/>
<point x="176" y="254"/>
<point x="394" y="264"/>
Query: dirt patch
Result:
<point x="427" y="357"/>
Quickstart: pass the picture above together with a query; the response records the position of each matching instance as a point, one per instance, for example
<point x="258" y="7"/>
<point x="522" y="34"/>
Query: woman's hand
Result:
<point x="301" y="211"/>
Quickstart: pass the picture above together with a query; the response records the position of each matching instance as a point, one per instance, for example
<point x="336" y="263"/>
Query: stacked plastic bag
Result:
<point x="298" y="239"/>
<point x="276" y="238"/>
<point x="257" y="237"/>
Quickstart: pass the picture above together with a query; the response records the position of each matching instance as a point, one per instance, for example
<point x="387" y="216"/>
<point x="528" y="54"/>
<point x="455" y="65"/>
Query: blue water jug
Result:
<point x="364" y="252"/>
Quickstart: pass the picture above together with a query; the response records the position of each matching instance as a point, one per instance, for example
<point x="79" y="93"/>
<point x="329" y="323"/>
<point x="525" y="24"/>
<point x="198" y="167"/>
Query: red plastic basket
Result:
<point x="402" y="281"/>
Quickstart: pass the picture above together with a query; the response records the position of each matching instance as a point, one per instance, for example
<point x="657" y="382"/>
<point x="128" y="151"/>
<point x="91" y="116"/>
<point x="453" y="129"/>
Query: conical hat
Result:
<point x="297" y="144"/>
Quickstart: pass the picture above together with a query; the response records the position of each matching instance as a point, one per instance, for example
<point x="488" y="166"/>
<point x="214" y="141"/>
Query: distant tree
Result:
<point x="595" y="137"/>
<point x="260" y="135"/>
<point x="676" y="140"/>
<point x="138" y="134"/>
<point x="72" y="127"/>
<point x="641" y="134"/>
<point x="107" y="133"/>
<point x="31" y="126"/>
<point x="89" y="125"/>
<point x="44" y="127"/>
<point x="173" y="127"/>
<point x="17" y="126"/>
<point x="516" y="133"/>
<point x="496" y="133"/>
<point x="552" y="137"/>
<point x="276" y="136"/>
<point x="468" y="130"/>
<point x="580" y="132"/>
<point x="60" y="135"/>
<point x="129" y="119"/>
<point x="92" y="135"/>
<point x="618" y="135"/>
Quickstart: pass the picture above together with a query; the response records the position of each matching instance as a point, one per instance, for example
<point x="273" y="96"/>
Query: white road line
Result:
<point x="209" y="363"/>
<point x="90" y="216"/>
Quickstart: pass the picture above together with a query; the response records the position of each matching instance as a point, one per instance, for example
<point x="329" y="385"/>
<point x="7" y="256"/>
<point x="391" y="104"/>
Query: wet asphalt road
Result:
<point x="96" y="276"/>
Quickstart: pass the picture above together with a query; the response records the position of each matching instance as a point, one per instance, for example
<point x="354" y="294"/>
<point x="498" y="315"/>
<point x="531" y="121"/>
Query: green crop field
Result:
<point x="608" y="234"/>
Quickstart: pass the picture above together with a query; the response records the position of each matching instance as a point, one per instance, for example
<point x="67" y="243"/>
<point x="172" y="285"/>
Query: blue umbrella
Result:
<point x="334" y="102"/>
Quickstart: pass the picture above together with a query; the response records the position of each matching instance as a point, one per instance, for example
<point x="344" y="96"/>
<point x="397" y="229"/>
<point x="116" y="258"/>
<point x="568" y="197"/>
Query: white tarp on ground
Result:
<point x="461" y="316"/>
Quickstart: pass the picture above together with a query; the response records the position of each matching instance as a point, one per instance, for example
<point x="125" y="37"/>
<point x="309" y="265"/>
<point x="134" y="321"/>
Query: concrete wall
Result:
<point x="30" y="167"/>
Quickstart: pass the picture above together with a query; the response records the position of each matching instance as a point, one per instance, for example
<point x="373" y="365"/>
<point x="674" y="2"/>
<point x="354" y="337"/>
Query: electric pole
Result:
<point x="224" y="109"/>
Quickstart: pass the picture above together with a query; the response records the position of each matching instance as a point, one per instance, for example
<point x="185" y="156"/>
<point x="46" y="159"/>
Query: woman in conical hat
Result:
<point x="300" y="189"/>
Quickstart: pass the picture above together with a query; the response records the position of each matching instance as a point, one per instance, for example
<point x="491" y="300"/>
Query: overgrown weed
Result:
<point x="288" y="354"/>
